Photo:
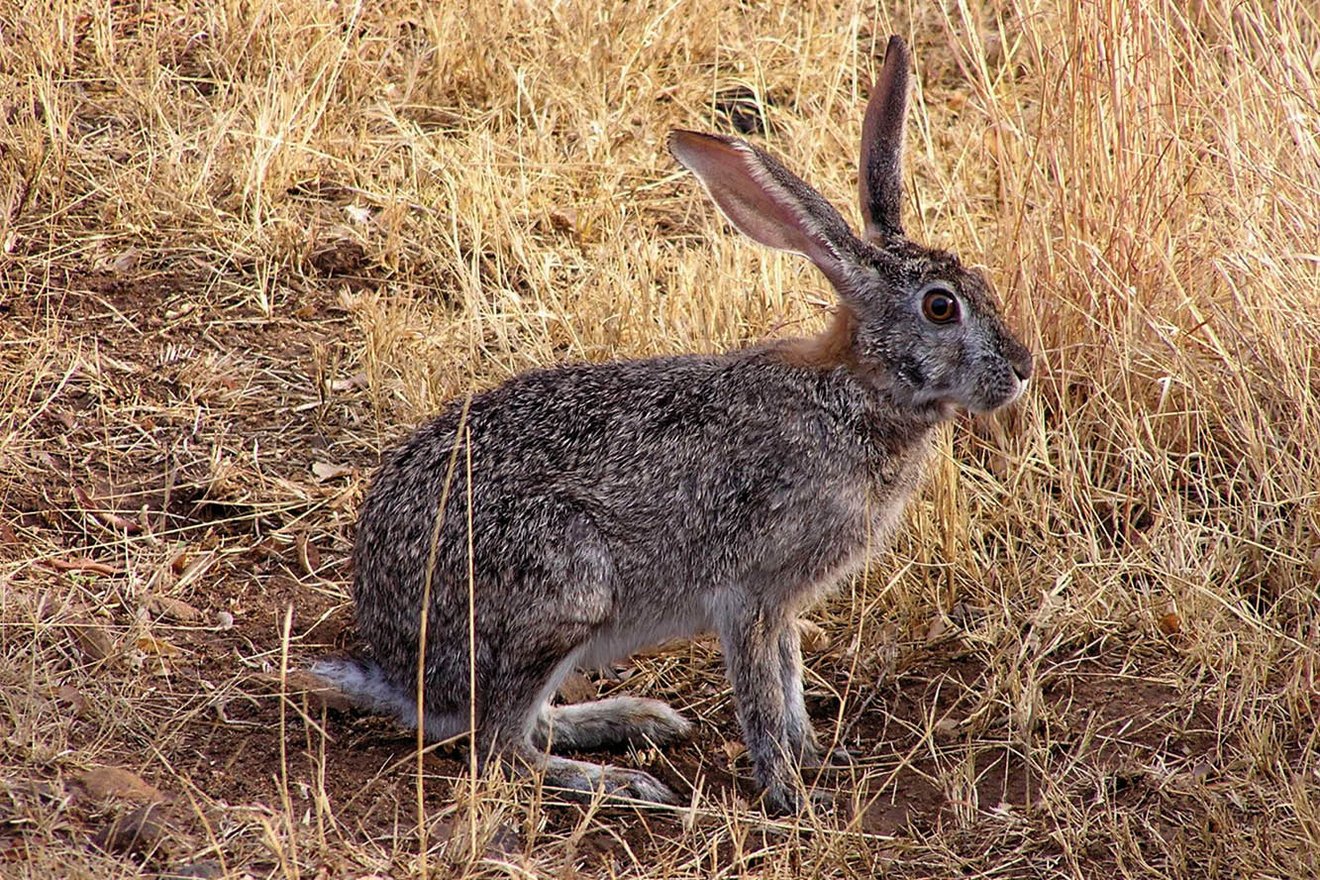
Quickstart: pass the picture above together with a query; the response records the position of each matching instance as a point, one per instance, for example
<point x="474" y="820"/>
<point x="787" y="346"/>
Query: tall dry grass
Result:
<point x="1141" y="181"/>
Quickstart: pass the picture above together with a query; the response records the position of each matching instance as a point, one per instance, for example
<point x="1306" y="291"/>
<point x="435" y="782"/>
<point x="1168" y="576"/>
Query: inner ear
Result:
<point x="880" y="172"/>
<point x="766" y="201"/>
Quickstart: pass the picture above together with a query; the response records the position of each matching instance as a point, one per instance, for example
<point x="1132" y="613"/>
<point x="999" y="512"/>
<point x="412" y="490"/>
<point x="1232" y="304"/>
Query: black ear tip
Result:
<point x="897" y="50"/>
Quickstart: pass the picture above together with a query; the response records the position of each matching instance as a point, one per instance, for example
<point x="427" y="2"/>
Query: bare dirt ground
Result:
<point x="246" y="248"/>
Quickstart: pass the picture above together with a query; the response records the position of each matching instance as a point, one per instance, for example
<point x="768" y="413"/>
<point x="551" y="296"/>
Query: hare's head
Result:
<point x="926" y="329"/>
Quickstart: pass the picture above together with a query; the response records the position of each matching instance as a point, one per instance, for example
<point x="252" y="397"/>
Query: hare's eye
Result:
<point x="939" y="306"/>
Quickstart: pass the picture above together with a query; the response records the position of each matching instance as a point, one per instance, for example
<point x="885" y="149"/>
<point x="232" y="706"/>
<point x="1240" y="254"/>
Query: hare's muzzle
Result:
<point x="1022" y="368"/>
<point x="1019" y="358"/>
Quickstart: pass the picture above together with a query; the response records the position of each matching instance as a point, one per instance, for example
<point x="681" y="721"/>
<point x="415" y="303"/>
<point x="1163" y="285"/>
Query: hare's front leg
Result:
<point x="754" y="659"/>
<point x="802" y="739"/>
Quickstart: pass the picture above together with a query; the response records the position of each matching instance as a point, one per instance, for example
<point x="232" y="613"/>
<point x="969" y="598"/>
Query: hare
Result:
<point x="577" y="514"/>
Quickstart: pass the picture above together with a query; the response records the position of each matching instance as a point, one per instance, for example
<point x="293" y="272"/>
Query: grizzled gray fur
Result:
<point x="616" y="506"/>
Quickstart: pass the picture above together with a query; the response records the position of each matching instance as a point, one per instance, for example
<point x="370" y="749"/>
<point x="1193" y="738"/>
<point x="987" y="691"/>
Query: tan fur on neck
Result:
<point x="831" y="348"/>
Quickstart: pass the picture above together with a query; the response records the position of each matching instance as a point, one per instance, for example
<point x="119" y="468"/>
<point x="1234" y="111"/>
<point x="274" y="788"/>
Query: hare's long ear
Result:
<point x="880" y="177"/>
<point x="766" y="201"/>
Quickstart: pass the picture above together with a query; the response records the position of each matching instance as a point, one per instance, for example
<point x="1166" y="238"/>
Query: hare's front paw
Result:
<point x="781" y="799"/>
<point x="609" y="723"/>
<point x="784" y="800"/>
<point x="819" y="759"/>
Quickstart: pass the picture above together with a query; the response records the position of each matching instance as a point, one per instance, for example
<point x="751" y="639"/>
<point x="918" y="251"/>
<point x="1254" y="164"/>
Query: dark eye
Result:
<point x="940" y="306"/>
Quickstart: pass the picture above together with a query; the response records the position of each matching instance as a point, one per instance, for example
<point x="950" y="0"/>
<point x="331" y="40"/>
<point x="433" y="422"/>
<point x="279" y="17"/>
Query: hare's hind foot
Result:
<point x="580" y="779"/>
<point x="609" y="723"/>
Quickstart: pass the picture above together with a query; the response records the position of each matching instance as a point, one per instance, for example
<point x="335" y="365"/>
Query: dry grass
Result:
<point x="244" y="246"/>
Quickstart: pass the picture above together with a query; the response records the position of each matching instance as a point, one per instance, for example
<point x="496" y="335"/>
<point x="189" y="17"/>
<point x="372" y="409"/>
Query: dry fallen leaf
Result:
<point x="95" y="640"/>
<point x="105" y="783"/>
<point x="814" y="639"/>
<point x="733" y="749"/>
<point x="324" y="471"/>
<point x="577" y="688"/>
<point x="174" y="609"/>
<point x="158" y="647"/>
<point x="71" y="697"/>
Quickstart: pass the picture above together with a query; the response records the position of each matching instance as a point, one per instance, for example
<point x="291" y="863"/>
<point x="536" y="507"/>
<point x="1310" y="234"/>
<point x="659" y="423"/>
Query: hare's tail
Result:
<point x="365" y="684"/>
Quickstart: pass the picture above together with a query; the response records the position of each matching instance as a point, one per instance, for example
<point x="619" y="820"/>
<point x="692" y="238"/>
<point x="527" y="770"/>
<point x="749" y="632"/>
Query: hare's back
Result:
<point x="634" y="432"/>
<point x="703" y="441"/>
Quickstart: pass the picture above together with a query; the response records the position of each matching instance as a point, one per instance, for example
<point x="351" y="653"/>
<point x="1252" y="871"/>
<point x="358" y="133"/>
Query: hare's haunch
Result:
<point x="618" y="505"/>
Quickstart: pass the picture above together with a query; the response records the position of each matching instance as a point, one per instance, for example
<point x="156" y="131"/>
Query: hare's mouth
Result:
<point x="1019" y="389"/>
<point x="989" y="404"/>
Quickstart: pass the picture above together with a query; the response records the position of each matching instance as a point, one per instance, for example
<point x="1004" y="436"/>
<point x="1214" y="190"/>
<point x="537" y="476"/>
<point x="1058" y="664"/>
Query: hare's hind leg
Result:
<point x="512" y="727"/>
<point x="608" y="723"/>
<point x="571" y="584"/>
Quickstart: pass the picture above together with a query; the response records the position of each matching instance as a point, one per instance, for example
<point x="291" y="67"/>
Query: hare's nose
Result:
<point x="1020" y="358"/>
